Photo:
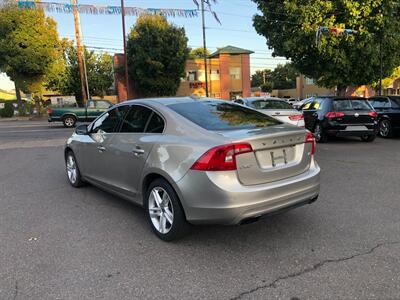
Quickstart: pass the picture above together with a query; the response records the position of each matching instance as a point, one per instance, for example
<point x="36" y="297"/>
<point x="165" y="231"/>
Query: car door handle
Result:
<point x="101" y="148"/>
<point x="138" y="151"/>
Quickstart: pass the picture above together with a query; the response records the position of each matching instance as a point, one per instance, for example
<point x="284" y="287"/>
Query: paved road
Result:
<point x="57" y="242"/>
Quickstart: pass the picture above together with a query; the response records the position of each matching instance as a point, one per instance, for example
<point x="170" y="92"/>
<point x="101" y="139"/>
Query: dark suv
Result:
<point x="340" y="116"/>
<point x="388" y="109"/>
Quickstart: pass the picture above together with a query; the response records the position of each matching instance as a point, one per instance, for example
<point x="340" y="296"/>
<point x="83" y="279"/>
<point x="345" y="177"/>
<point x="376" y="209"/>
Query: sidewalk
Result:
<point x="30" y="118"/>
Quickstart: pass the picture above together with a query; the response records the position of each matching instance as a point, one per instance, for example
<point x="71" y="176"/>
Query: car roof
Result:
<point x="261" y="98"/>
<point x="341" y="98"/>
<point x="169" y="100"/>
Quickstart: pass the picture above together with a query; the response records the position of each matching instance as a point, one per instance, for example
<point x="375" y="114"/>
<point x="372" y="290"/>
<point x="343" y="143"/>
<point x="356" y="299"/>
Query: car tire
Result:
<point x="69" y="121"/>
<point x="385" y="128"/>
<point x="368" y="138"/>
<point x="72" y="169"/>
<point x="320" y="136"/>
<point x="164" y="211"/>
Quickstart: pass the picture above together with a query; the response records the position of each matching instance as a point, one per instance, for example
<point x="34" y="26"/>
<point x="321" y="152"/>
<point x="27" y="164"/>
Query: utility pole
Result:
<point x="204" y="45"/>
<point x="125" y="53"/>
<point x="79" y="50"/>
<point x="381" y="65"/>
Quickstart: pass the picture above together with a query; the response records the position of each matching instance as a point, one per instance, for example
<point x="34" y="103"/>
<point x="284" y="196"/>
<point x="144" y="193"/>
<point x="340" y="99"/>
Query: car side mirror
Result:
<point x="82" y="130"/>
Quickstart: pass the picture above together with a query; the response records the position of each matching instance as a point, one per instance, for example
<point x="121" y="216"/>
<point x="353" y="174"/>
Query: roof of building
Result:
<point x="230" y="50"/>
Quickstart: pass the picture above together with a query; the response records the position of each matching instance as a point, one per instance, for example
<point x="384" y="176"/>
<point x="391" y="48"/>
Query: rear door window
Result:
<point x="222" y="115"/>
<point x="136" y="119"/>
<point x="156" y="124"/>
<point x="395" y="101"/>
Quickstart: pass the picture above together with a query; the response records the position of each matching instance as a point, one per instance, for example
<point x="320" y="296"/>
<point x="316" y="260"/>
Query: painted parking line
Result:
<point x="34" y="130"/>
<point x="33" y="144"/>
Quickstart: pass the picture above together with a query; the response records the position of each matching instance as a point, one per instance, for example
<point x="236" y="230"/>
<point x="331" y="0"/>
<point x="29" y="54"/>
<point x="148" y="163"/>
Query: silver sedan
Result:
<point x="195" y="161"/>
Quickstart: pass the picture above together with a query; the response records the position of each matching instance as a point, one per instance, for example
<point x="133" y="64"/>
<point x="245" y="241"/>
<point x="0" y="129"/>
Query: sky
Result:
<point x="104" y="32"/>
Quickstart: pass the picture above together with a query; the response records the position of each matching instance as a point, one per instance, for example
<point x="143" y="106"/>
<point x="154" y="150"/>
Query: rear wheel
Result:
<point x="69" y="121"/>
<point x="385" y="128"/>
<point x="164" y="211"/>
<point x="73" y="173"/>
<point x="368" y="138"/>
<point x="319" y="134"/>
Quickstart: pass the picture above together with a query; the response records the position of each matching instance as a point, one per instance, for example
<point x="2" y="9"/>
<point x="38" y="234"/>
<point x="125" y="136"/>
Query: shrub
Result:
<point x="8" y="110"/>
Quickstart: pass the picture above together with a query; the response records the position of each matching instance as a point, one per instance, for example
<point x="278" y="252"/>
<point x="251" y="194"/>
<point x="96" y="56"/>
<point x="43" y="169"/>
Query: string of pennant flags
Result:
<point x="106" y="9"/>
<point x="333" y="31"/>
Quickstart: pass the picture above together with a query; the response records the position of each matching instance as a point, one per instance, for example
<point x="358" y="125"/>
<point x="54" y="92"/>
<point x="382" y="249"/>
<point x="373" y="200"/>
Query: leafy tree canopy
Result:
<point x="198" y="53"/>
<point x="65" y="76"/>
<point x="29" y="45"/>
<point x="282" y="77"/>
<point x="290" y="28"/>
<point x="157" y="54"/>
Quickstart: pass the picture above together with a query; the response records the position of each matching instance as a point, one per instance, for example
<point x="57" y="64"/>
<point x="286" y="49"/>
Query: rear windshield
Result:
<point x="351" y="104"/>
<point x="221" y="115"/>
<point x="270" y="104"/>
<point x="395" y="101"/>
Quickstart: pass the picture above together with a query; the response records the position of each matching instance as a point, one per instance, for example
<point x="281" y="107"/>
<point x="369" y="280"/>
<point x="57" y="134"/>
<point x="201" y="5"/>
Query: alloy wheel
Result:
<point x="161" y="210"/>
<point x="317" y="133"/>
<point x="384" y="128"/>
<point x="72" y="171"/>
<point x="69" y="122"/>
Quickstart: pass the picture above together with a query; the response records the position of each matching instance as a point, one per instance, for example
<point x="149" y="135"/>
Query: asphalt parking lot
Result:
<point x="57" y="242"/>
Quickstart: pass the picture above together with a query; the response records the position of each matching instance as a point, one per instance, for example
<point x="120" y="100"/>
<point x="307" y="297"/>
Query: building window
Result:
<point x="310" y="81"/>
<point x="214" y="74"/>
<point x="235" y="72"/>
<point x="192" y="75"/>
<point x="201" y="76"/>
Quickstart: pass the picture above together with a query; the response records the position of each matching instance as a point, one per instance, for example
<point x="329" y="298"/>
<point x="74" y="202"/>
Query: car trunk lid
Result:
<point x="279" y="152"/>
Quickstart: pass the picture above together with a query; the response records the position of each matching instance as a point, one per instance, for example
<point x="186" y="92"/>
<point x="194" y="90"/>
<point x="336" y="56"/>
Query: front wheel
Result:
<point x="69" y="121"/>
<point x="73" y="173"/>
<point x="368" y="138"/>
<point x="164" y="211"/>
<point x="319" y="134"/>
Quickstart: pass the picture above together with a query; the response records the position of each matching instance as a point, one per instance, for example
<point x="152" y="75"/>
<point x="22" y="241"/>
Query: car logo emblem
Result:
<point x="356" y="115"/>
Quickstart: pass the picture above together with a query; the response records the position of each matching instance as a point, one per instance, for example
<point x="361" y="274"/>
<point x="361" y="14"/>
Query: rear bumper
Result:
<point x="219" y="198"/>
<point x="344" y="133"/>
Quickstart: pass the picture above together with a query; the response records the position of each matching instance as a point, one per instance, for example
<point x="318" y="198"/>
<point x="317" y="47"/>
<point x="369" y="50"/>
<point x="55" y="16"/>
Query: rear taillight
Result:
<point x="221" y="158"/>
<point x="310" y="139"/>
<point x="49" y="111"/>
<point x="296" y="117"/>
<point x="334" y="114"/>
<point x="373" y="114"/>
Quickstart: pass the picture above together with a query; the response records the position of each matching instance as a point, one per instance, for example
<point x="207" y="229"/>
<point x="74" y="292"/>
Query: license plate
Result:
<point x="356" y="128"/>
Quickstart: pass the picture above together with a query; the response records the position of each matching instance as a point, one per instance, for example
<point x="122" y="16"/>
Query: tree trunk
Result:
<point x="18" y="95"/>
<point x="341" y="90"/>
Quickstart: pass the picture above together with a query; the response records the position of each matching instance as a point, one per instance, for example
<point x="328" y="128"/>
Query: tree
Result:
<point x="29" y="44"/>
<point x="65" y="77"/>
<point x="283" y="77"/>
<point x="267" y="87"/>
<point x="157" y="54"/>
<point x="198" y="53"/>
<point x="259" y="77"/>
<point x="290" y="28"/>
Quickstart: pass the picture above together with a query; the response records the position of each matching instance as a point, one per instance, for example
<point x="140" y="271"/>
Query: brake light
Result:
<point x="334" y="114"/>
<point x="310" y="139"/>
<point x="373" y="114"/>
<point x="221" y="158"/>
<point x="296" y="117"/>
<point x="49" y="111"/>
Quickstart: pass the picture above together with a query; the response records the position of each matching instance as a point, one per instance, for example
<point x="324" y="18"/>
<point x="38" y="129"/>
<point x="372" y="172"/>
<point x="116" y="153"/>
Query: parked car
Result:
<point x="70" y="115"/>
<point x="197" y="161"/>
<point x="340" y="116"/>
<point x="291" y="101"/>
<point x="276" y="108"/>
<point x="388" y="109"/>
<point x="298" y="104"/>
